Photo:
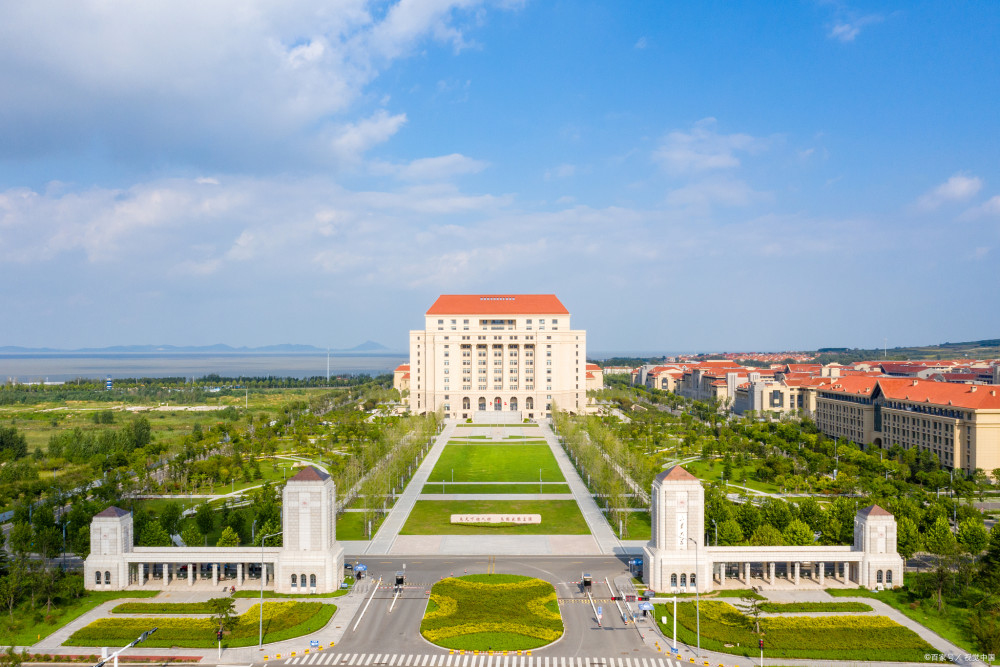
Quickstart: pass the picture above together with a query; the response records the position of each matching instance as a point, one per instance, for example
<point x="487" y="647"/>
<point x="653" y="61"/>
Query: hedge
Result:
<point x="282" y="620"/>
<point x="805" y="607"/>
<point x="163" y="608"/>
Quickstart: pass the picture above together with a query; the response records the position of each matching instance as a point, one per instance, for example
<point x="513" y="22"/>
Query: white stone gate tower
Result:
<point x="110" y="540"/>
<point x="311" y="559"/>
<point x="675" y="554"/>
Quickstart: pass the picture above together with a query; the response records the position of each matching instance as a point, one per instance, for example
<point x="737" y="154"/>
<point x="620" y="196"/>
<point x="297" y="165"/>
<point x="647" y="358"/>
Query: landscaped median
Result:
<point x="726" y="630"/>
<point x="282" y="620"/>
<point x="433" y="517"/>
<point x="499" y="612"/>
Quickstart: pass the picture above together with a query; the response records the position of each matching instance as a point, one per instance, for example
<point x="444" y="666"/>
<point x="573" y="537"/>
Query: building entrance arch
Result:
<point x="482" y="403"/>
<point x="497" y="403"/>
<point x="466" y="403"/>
<point x="513" y="403"/>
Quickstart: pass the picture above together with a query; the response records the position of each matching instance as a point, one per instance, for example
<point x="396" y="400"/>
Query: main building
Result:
<point x="497" y="352"/>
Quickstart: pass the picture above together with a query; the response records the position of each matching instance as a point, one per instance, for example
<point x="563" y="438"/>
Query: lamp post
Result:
<point x="697" y="591"/>
<point x="716" y="526"/>
<point x="263" y="575"/>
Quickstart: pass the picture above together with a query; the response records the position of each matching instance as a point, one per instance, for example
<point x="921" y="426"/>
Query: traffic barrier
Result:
<point x="265" y="658"/>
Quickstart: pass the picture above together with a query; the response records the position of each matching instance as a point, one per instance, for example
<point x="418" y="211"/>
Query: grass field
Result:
<point x="951" y="622"/>
<point x="810" y="607"/>
<point x="433" y="517"/>
<point x="487" y="489"/>
<point x="497" y="463"/>
<point x="499" y="612"/>
<point x="522" y="425"/>
<point x="23" y="630"/>
<point x="638" y="526"/>
<point x="726" y="630"/>
<point x="702" y="470"/>
<point x="351" y="525"/>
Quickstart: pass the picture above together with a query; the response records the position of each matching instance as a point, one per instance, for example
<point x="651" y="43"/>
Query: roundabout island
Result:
<point x="498" y="612"/>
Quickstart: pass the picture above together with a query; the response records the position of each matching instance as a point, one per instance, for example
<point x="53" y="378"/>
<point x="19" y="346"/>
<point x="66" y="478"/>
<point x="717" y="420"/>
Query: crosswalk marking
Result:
<point x="471" y="660"/>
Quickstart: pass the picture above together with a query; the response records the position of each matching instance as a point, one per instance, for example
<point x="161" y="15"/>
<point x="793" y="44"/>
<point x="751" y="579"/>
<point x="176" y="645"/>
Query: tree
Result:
<point x="939" y="538"/>
<point x="972" y="536"/>
<point x="223" y="612"/>
<point x="153" y="535"/>
<point x="985" y="625"/>
<point x="750" y="603"/>
<point x="170" y="517"/>
<point x="908" y="538"/>
<point x="192" y="537"/>
<point x="79" y="542"/>
<point x="797" y="533"/>
<point x="13" y="445"/>
<point x="229" y="538"/>
<point x="48" y="587"/>
<point x="19" y="540"/>
<point x="12" y="587"/>
<point x="730" y="533"/>
<point x="11" y="658"/>
<point x="766" y="535"/>
<point x="205" y="518"/>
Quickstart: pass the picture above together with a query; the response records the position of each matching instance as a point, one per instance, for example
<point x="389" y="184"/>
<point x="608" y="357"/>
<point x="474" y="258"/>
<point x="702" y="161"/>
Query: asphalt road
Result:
<point x="398" y="631"/>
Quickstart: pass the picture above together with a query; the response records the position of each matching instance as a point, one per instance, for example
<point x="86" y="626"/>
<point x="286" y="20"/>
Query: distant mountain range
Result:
<point x="368" y="347"/>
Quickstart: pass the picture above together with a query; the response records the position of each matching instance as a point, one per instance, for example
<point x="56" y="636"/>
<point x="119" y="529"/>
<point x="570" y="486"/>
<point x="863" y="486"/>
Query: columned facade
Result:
<point x="311" y="560"/>
<point x="676" y="560"/>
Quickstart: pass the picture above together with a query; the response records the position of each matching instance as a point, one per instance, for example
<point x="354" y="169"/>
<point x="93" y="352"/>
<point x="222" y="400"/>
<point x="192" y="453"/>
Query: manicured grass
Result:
<point x="500" y="612"/>
<point x="24" y="631"/>
<point x="433" y="517"/>
<point x="806" y="607"/>
<point x="163" y="608"/>
<point x="282" y="620"/>
<point x="352" y="526"/>
<point x="496" y="488"/>
<point x="951" y="622"/>
<point x="817" y="638"/>
<point x="638" y="525"/>
<point x="496" y="463"/>
<point x="702" y="470"/>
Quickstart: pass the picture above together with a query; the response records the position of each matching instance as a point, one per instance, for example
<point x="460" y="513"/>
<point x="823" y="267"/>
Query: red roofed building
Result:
<point x="498" y="352"/>
<point x="959" y="423"/>
<point x="401" y="378"/>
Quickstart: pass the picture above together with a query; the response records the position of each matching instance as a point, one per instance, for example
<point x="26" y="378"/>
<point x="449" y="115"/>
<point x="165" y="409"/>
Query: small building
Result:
<point x="309" y="561"/>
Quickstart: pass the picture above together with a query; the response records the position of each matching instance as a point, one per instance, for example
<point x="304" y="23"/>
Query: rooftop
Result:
<point x="310" y="474"/>
<point x="675" y="474"/>
<point x="498" y="304"/>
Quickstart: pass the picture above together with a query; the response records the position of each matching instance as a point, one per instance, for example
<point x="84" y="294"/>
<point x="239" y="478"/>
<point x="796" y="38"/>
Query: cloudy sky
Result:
<point x="684" y="175"/>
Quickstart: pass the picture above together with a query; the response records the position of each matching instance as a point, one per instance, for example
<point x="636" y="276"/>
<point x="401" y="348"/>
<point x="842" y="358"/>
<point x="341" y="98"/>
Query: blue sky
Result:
<point x="685" y="176"/>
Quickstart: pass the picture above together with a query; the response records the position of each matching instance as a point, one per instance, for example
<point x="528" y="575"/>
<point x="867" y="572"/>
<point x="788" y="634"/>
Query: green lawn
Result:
<point x="25" y="629"/>
<point x="500" y="612"/>
<point x="529" y="425"/>
<point x="725" y="629"/>
<point x="282" y="620"/>
<point x="951" y="622"/>
<point x="638" y="525"/>
<point x="496" y="488"/>
<point x="702" y="470"/>
<point x="351" y="525"/>
<point x="433" y="517"/>
<point x="496" y="463"/>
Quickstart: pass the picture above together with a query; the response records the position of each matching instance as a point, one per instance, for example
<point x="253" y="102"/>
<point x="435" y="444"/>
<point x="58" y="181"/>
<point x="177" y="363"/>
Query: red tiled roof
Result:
<point x="310" y="474"/>
<point x="114" y="512"/>
<point x="675" y="474"/>
<point x="403" y="367"/>
<point x="404" y="376"/>
<point x="853" y="384"/>
<point x="498" y="304"/>
<point x="593" y="367"/>
<point x="982" y="397"/>
<point x="590" y="376"/>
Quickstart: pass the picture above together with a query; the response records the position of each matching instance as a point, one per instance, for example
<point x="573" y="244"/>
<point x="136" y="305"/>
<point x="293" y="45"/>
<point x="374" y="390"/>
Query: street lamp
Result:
<point x="263" y="575"/>
<point x="697" y="591"/>
<point x="716" y="526"/>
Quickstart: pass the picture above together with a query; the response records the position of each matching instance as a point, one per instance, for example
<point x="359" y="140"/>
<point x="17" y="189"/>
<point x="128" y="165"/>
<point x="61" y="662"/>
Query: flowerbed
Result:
<point x="282" y="620"/>
<point x="498" y="612"/>
<point x="820" y="637"/>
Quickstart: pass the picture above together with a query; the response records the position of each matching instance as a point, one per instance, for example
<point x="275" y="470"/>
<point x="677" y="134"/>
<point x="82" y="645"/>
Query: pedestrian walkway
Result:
<point x="469" y="659"/>
<point x="599" y="527"/>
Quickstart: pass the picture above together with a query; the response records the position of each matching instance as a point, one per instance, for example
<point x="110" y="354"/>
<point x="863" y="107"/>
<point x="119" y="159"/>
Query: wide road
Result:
<point x="398" y="631"/>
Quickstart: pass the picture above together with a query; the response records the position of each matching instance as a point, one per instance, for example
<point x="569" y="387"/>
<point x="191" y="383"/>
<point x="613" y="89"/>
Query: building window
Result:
<point x="97" y="578"/>
<point x="294" y="581"/>
<point x="107" y="577"/>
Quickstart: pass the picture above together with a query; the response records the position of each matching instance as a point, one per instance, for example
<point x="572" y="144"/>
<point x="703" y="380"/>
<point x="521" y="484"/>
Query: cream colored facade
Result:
<point x="677" y="560"/>
<point x="514" y="353"/>
<point x="959" y="423"/>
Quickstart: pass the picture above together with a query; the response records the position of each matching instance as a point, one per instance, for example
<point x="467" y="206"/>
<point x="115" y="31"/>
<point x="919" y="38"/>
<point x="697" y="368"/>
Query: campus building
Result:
<point x="676" y="560"/>
<point x="960" y="423"/>
<point x="514" y="352"/>
<point x="310" y="559"/>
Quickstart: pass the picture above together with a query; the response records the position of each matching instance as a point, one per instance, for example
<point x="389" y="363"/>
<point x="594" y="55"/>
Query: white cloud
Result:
<point x="703" y="149"/>
<point x="353" y="139"/>
<point x="232" y="82"/>
<point x="561" y="171"/>
<point x="641" y="43"/>
<point x="847" y="29"/>
<point x="440" y="168"/>
<point x="989" y="208"/>
<point x="957" y="188"/>
<point x="715" y="192"/>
